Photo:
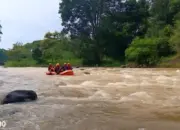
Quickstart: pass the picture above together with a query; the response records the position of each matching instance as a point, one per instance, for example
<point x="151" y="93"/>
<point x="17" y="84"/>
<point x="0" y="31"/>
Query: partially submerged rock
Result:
<point x="86" y="72"/>
<point x="20" y="96"/>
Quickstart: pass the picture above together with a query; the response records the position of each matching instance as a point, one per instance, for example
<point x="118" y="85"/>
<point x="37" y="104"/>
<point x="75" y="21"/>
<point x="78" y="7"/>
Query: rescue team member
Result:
<point x="50" y="68"/>
<point x="69" y="67"/>
<point x="57" y="68"/>
<point x="64" y="67"/>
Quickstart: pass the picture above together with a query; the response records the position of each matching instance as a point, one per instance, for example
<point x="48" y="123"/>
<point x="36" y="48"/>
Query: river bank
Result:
<point x="162" y="65"/>
<point x="167" y="62"/>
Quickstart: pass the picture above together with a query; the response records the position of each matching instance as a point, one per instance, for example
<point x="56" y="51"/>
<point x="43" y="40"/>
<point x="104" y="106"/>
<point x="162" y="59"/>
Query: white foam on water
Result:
<point x="177" y="71"/>
<point x="145" y="83"/>
<point x="59" y="95"/>
<point x="137" y="96"/>
<point x="127" y="76"/>
<point x="82" y="85"/>
<point x="89" y="83"/>
<point x="67" y="98"/>
<point x="172" y="101"/>
<point x="118" y="85"/>
<point x="115" y="84"/>
<point x="100" y="95"/>
<point x="123" y="84"/>
<point x="164" y="80"/>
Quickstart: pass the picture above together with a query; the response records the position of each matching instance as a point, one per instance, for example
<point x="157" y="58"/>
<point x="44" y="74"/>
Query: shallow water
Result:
<point x="106" y="99"/>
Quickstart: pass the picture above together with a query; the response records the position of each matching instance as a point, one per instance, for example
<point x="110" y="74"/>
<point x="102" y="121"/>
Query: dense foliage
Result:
<point x="104" y="32"/>
<point x="53" y="48"/>
<point x="3" y="56"/>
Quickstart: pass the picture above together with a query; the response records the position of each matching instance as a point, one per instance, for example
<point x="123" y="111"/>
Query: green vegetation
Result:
<point x="108" y="33"/>
<point x="3" y="56"/>
<point x="42" y="52"/>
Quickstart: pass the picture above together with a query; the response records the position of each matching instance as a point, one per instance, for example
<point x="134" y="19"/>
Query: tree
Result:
<point x="82" y="19"/>
<point x="3" y="56"/>
<point x="143" y="51"/>
<point x="18" y="52"/>
<point x="37" y="55"/>
<point x="126" y="21"/>
<point x="48" y="35"/>
<point x="97" y="31"/>
<point x="102" y="25"/>
<point x="175" y="39"/>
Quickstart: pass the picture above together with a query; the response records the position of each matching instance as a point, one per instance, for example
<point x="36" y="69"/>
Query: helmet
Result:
<point x="64" y="63"/>
<point x="50" y="64"/>
<point x="68" y="64"/>
<point x="57" y="64"/>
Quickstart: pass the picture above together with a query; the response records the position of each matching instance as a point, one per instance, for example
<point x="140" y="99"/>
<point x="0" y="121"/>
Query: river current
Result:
<point x="105" y="99"/>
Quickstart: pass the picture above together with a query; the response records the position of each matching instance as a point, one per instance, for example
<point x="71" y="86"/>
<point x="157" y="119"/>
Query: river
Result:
<point x="105" y="99"/>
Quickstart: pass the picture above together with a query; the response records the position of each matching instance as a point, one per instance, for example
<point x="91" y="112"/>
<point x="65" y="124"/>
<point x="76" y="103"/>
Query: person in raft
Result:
<point x="64" y="67"/>
<point x="50" y="68"/>
<point x="57" y="68"/>
<point x="69" y="67"/>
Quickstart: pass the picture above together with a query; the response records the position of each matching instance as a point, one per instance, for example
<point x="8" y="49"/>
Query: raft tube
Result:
<point x="67" y="72"/>
<point x="50" y="73"/>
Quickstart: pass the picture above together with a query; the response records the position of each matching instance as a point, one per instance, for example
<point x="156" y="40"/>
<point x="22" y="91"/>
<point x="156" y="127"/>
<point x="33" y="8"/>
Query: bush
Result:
<point x="175" y="38"/>
<point x="21" y="63"/>
<point x="164" y="47"/>
<point x="109" y="62"/>
<point x="143" y="51"/>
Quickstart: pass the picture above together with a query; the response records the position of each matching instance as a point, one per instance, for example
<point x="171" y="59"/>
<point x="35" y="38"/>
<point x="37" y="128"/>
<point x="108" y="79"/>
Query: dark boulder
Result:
<point x="86" y="72"/>
<point x="19" y="96"/>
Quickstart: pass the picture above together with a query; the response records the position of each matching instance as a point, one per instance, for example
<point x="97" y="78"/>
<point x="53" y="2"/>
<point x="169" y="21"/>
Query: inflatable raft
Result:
<point x="67" y="72"/>
<point x="50" y="73"/>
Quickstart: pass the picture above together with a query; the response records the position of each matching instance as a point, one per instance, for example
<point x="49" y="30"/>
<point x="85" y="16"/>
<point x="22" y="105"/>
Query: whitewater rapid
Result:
<point x="105" y="99"/>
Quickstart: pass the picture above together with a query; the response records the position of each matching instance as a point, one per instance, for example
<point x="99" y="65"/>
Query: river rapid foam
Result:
<point x="105" y="99"/>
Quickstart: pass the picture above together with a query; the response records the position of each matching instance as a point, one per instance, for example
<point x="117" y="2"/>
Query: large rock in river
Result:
<point x="19" y="96"/>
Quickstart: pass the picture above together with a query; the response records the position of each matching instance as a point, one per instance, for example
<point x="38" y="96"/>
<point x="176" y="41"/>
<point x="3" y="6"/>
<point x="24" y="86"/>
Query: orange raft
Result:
<point x="67" y="72"/>
<point x="50" y="73"/>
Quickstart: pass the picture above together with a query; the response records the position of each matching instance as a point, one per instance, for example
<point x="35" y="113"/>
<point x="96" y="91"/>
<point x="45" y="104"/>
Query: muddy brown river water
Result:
<point x="105" y="99"/>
